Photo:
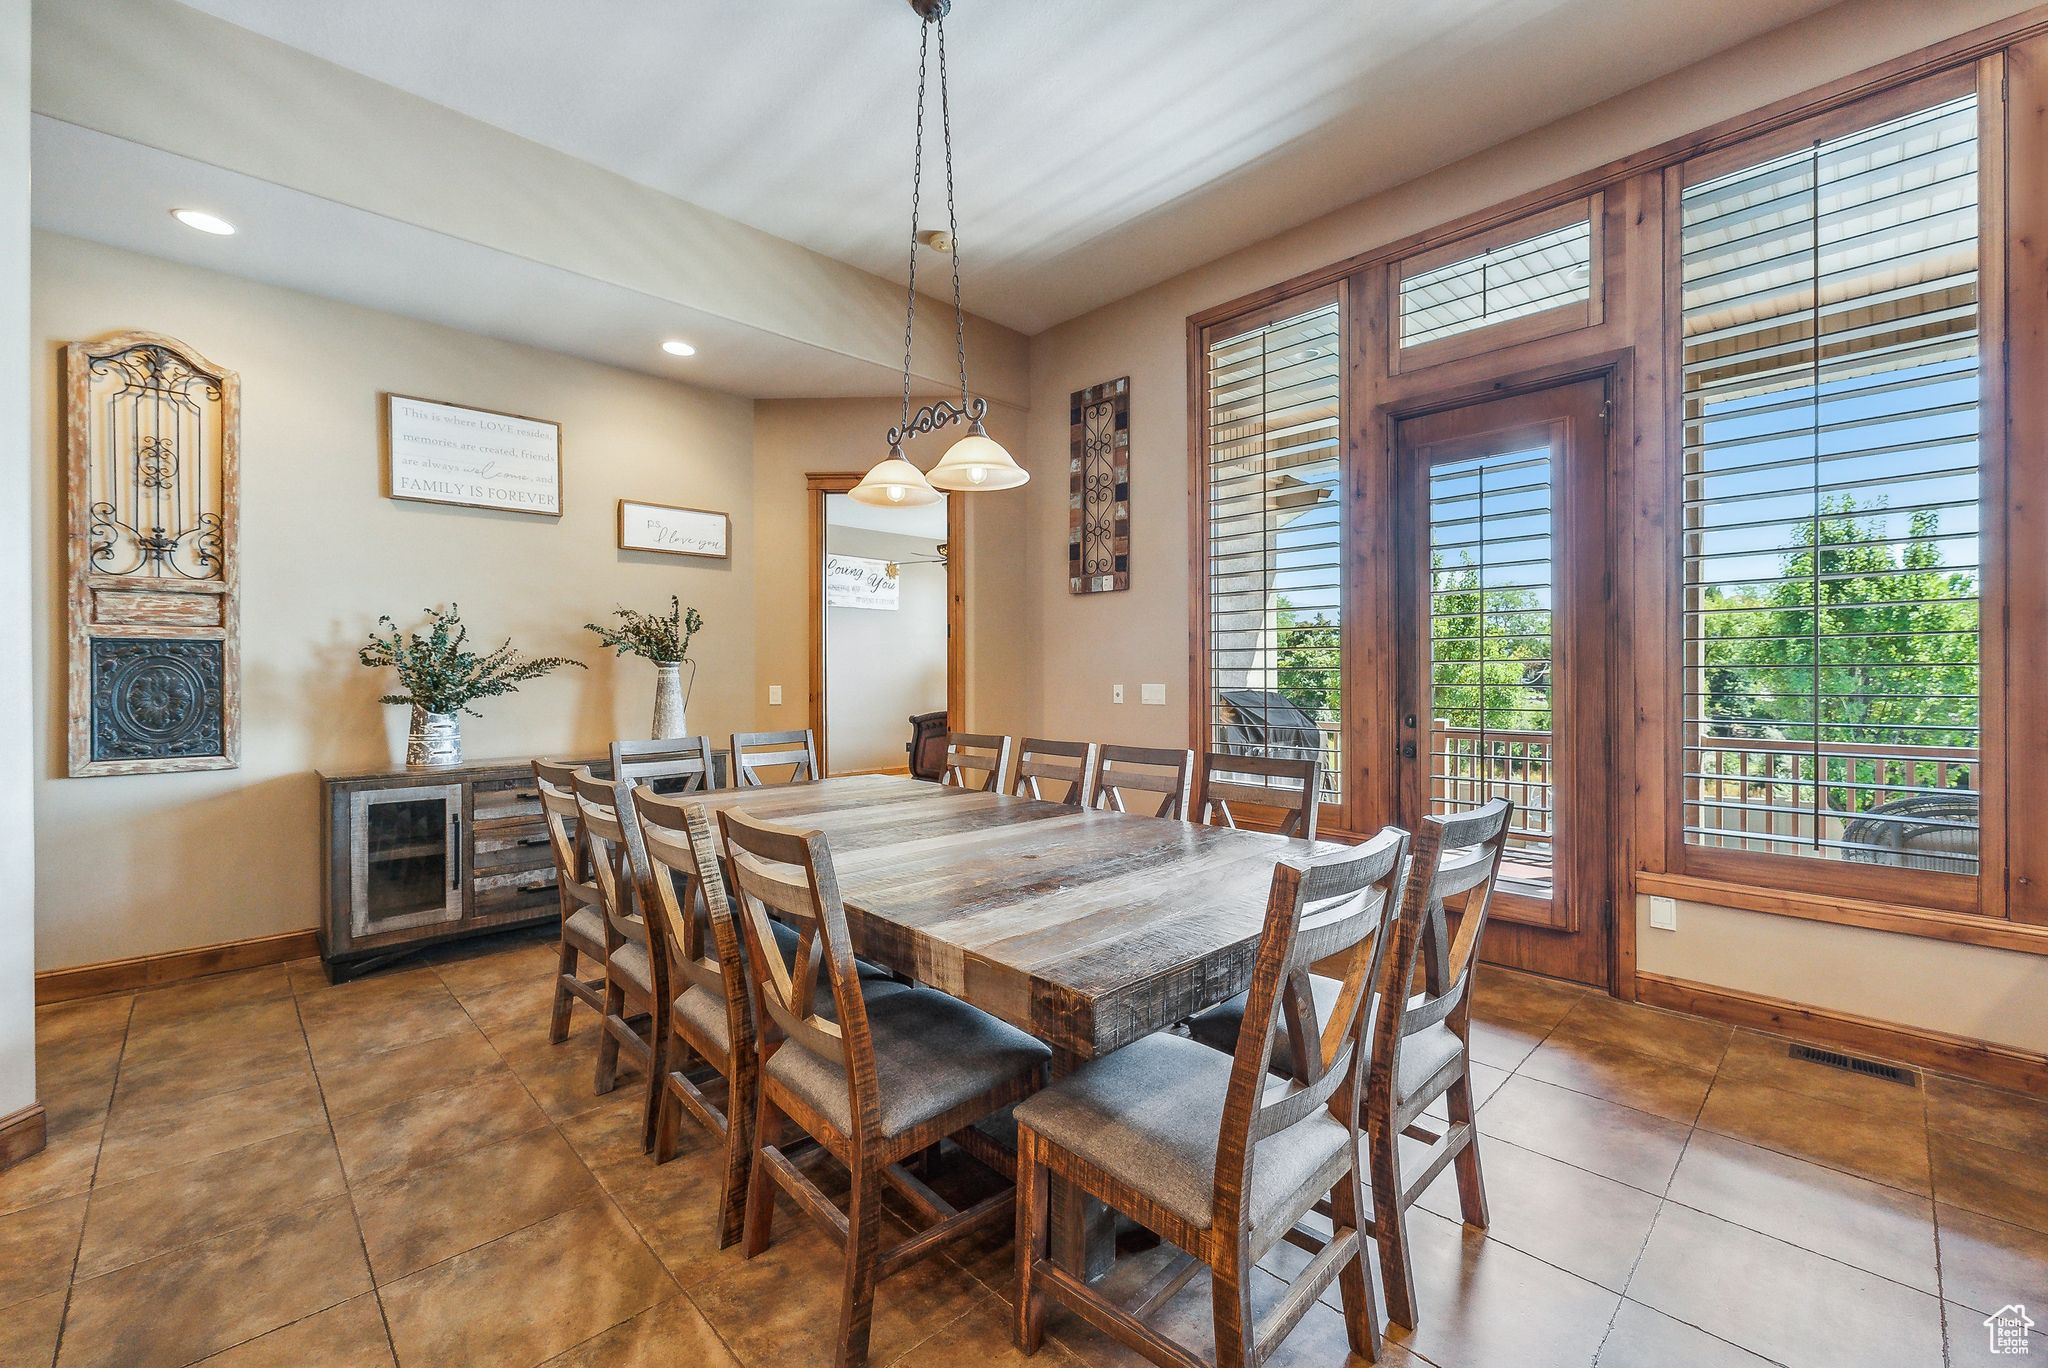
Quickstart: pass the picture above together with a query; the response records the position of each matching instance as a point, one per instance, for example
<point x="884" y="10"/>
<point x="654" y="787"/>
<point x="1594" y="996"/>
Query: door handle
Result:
<point x="455" y="850"/>
<point x="1408" y="750"/>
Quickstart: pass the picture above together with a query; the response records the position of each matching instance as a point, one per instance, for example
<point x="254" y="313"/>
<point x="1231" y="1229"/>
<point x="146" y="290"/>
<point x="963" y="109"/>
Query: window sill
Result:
<point x="1962" y="927"/>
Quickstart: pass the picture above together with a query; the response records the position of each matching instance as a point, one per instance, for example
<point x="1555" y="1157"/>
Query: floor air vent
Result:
<point x="1870" y="1068"/>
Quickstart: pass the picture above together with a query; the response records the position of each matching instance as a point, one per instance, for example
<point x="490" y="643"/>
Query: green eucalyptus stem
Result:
<point x="662" y="638"/>
<point x="437" y="672"/>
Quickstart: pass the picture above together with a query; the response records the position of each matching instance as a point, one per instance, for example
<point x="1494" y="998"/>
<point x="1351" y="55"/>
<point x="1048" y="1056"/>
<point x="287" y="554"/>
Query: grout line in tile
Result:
<point x="92" y="1183"/>
<point x="347" y="1185"/>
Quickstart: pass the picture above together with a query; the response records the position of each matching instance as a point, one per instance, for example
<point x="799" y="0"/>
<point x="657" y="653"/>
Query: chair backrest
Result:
<point x="927" y="746"/>
<point x="975" y="761"/>
<point x="685" y="892"/>
<point x="681" y="764"/>
<point x="598" y="804"/>
<point x="754" y="751"/>
<point x="1259" y="781"/>
<point x="1334" y="908"/>
<point x="1453" y="856"/>
<point x="575" y="880"/>
<point x="787" y="873"/>
<point x="1040" y="763"/>
<point x="1144" y="769"/>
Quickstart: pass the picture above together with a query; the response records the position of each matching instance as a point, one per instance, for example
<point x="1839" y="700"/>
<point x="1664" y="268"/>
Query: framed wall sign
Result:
<point x="676" y="531"/>
<point x="447" y="454"/>
<point x="858" y="582"/>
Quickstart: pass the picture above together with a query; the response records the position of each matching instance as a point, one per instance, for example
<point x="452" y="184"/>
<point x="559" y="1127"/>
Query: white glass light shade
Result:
<point x="894" y="483"/>
<point x="977" y="462"/>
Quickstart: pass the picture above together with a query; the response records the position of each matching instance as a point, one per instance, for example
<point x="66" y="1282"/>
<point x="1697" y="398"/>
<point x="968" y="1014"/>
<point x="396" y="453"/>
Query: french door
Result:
<point x="1504" y="645"/>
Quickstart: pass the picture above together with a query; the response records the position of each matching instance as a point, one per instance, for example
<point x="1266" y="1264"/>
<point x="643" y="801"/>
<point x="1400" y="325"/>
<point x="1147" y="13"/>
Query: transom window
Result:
<point x="1532" y="275"/>
<point x="1831" y="498"/>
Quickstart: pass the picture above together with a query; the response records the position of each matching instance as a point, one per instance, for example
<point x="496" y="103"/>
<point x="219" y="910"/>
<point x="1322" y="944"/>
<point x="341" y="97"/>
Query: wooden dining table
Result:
<point x="1086" y="929"/>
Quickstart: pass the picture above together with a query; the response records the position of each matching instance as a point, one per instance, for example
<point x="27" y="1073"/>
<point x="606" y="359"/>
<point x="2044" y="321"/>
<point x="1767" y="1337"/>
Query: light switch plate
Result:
<point x="774" y="695"/>
<point x="1152" y="693"/>
<point x="1663" y="914"/>
<point x="1116" y="693"/>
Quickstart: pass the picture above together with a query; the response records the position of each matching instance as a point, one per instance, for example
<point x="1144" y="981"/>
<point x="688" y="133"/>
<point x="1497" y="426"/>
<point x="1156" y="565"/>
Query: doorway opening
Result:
<point x="885" y="608"/>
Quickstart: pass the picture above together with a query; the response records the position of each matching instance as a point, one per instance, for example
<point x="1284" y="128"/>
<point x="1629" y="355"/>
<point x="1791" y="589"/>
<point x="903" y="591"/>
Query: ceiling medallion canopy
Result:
<point x="977" y="461"/>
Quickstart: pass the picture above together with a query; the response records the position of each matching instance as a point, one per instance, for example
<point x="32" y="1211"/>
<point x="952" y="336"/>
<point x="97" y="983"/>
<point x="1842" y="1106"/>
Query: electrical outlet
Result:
<point x="774" y="695"/>
<point x="1116" y="693"/>
<point x="1663" y="914"/>
<point x="1152" y="693"/>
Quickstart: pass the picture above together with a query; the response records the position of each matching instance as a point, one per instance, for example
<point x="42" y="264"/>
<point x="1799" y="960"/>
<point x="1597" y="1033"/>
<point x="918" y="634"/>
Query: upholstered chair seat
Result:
<point x="1150" y="1115"/>
<point x="932" y="1053"/>
<point x="584" y="929"/>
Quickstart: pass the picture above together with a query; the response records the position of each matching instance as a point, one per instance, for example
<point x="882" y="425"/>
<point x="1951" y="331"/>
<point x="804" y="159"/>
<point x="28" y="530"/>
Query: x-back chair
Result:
<point x="1165" y="773"/>
<point x="583" y="922"/>
<point x="880" y="1074"/>
<point x="635" y="973"/>
<point x="1420" y="1054"/>
<point x="975" y="761"/>
<point x="1043" y="766"/>
<point x="1258" y="781"/>
<point x="752" y="752"/>
<point x="1223" y="1155"/>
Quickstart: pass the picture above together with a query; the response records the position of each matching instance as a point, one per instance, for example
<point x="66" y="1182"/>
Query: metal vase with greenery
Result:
<point x="440" y="677"/>
<point x="665" y="640"/>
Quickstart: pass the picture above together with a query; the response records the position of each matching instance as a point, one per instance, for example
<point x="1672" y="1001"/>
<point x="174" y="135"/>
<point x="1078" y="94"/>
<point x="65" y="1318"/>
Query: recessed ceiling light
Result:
<point x="677" y="347"/>
<point x="203" y="221"/>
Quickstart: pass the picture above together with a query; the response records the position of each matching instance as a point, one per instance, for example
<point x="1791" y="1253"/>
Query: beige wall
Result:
<point x="883" y="666"/>
<point x="796" y="437"/>
<point x="1084" y="644"/>
<point x="127" y="866"/>
<point x="17" y="772"/>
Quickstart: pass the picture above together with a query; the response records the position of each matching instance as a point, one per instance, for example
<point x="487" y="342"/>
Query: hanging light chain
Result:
<point x="916" y="194"/>
<point x="952" y="213"/>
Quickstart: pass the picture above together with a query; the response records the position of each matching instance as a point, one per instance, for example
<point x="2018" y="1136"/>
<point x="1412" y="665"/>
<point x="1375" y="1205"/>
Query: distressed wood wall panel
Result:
<point x="152" y="448"/>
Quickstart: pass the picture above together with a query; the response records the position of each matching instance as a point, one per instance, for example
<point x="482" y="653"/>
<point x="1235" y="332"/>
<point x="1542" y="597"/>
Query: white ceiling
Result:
<point x="1101" y="147"/>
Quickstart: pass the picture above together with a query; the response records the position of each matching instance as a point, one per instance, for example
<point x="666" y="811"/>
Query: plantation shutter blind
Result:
<point x="1274" y="541"/>
<point x="1830" y="500"/>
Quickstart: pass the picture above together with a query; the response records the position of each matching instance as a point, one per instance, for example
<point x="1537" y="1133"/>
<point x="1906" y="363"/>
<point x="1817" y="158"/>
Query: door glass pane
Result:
<point x="406" y="867"/>
<point x="1491" y="573"/>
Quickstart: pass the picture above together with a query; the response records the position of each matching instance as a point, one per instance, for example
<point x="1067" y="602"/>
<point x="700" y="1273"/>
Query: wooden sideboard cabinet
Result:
<point x="416" y="857"/>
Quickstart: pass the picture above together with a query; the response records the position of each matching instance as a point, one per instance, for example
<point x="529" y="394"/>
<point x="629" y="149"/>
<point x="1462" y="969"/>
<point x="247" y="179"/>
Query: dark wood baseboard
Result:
<point x="148" y="971"/>
<point x="1983" y="1061"/>
<point x="22" y="1133"/>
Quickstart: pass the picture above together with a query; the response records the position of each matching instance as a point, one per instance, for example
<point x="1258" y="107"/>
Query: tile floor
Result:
<point x="259" y="1168"/>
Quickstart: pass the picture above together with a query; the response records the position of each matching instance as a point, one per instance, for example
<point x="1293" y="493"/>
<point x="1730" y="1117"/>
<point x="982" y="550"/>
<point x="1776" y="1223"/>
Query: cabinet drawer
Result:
<point x="494" y="800"/>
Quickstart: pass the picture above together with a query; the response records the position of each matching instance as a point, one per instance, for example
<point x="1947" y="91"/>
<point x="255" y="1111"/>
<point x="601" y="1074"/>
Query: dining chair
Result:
<point x="1259" y="781"/>
<point x="753" y="751"/>
<point x="883" y="1073"/>
<point x="1055" y="762"/>
<point x="1143" y="769"/>
<point x="1421" y="1053"/>
<point x="635" y="976"/>
<point x="710" y="1018"/>
<point x="1214" y="1154"/>
<point x="670" y="765"/>
<point x="583" y="925"/>
<point x="976" y="762"/>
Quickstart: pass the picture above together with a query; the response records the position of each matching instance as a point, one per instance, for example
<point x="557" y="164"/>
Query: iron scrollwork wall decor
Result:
<point x="152" y="437"/>
<point x="1099" y="491"/>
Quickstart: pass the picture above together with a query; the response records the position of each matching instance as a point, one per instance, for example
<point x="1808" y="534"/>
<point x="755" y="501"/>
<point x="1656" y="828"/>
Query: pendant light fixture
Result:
<point x="977" y="461"/>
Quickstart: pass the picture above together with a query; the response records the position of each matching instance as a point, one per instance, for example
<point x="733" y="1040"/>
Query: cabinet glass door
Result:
<point x="407" y="858"/>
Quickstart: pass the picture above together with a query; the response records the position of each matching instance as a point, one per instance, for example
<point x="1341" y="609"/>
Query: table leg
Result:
<point x="1083" y="1229"/>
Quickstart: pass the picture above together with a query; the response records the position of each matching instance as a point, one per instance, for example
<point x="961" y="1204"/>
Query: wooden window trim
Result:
<point x="1331" y="817"/>
<point x="1980" y="895"/>
<point x="2013" y="909"/>
<point x="1489" y="337"/>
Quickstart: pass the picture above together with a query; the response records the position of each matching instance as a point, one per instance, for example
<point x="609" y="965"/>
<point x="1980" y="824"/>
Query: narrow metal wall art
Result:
<point x="1099" y="488"/>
